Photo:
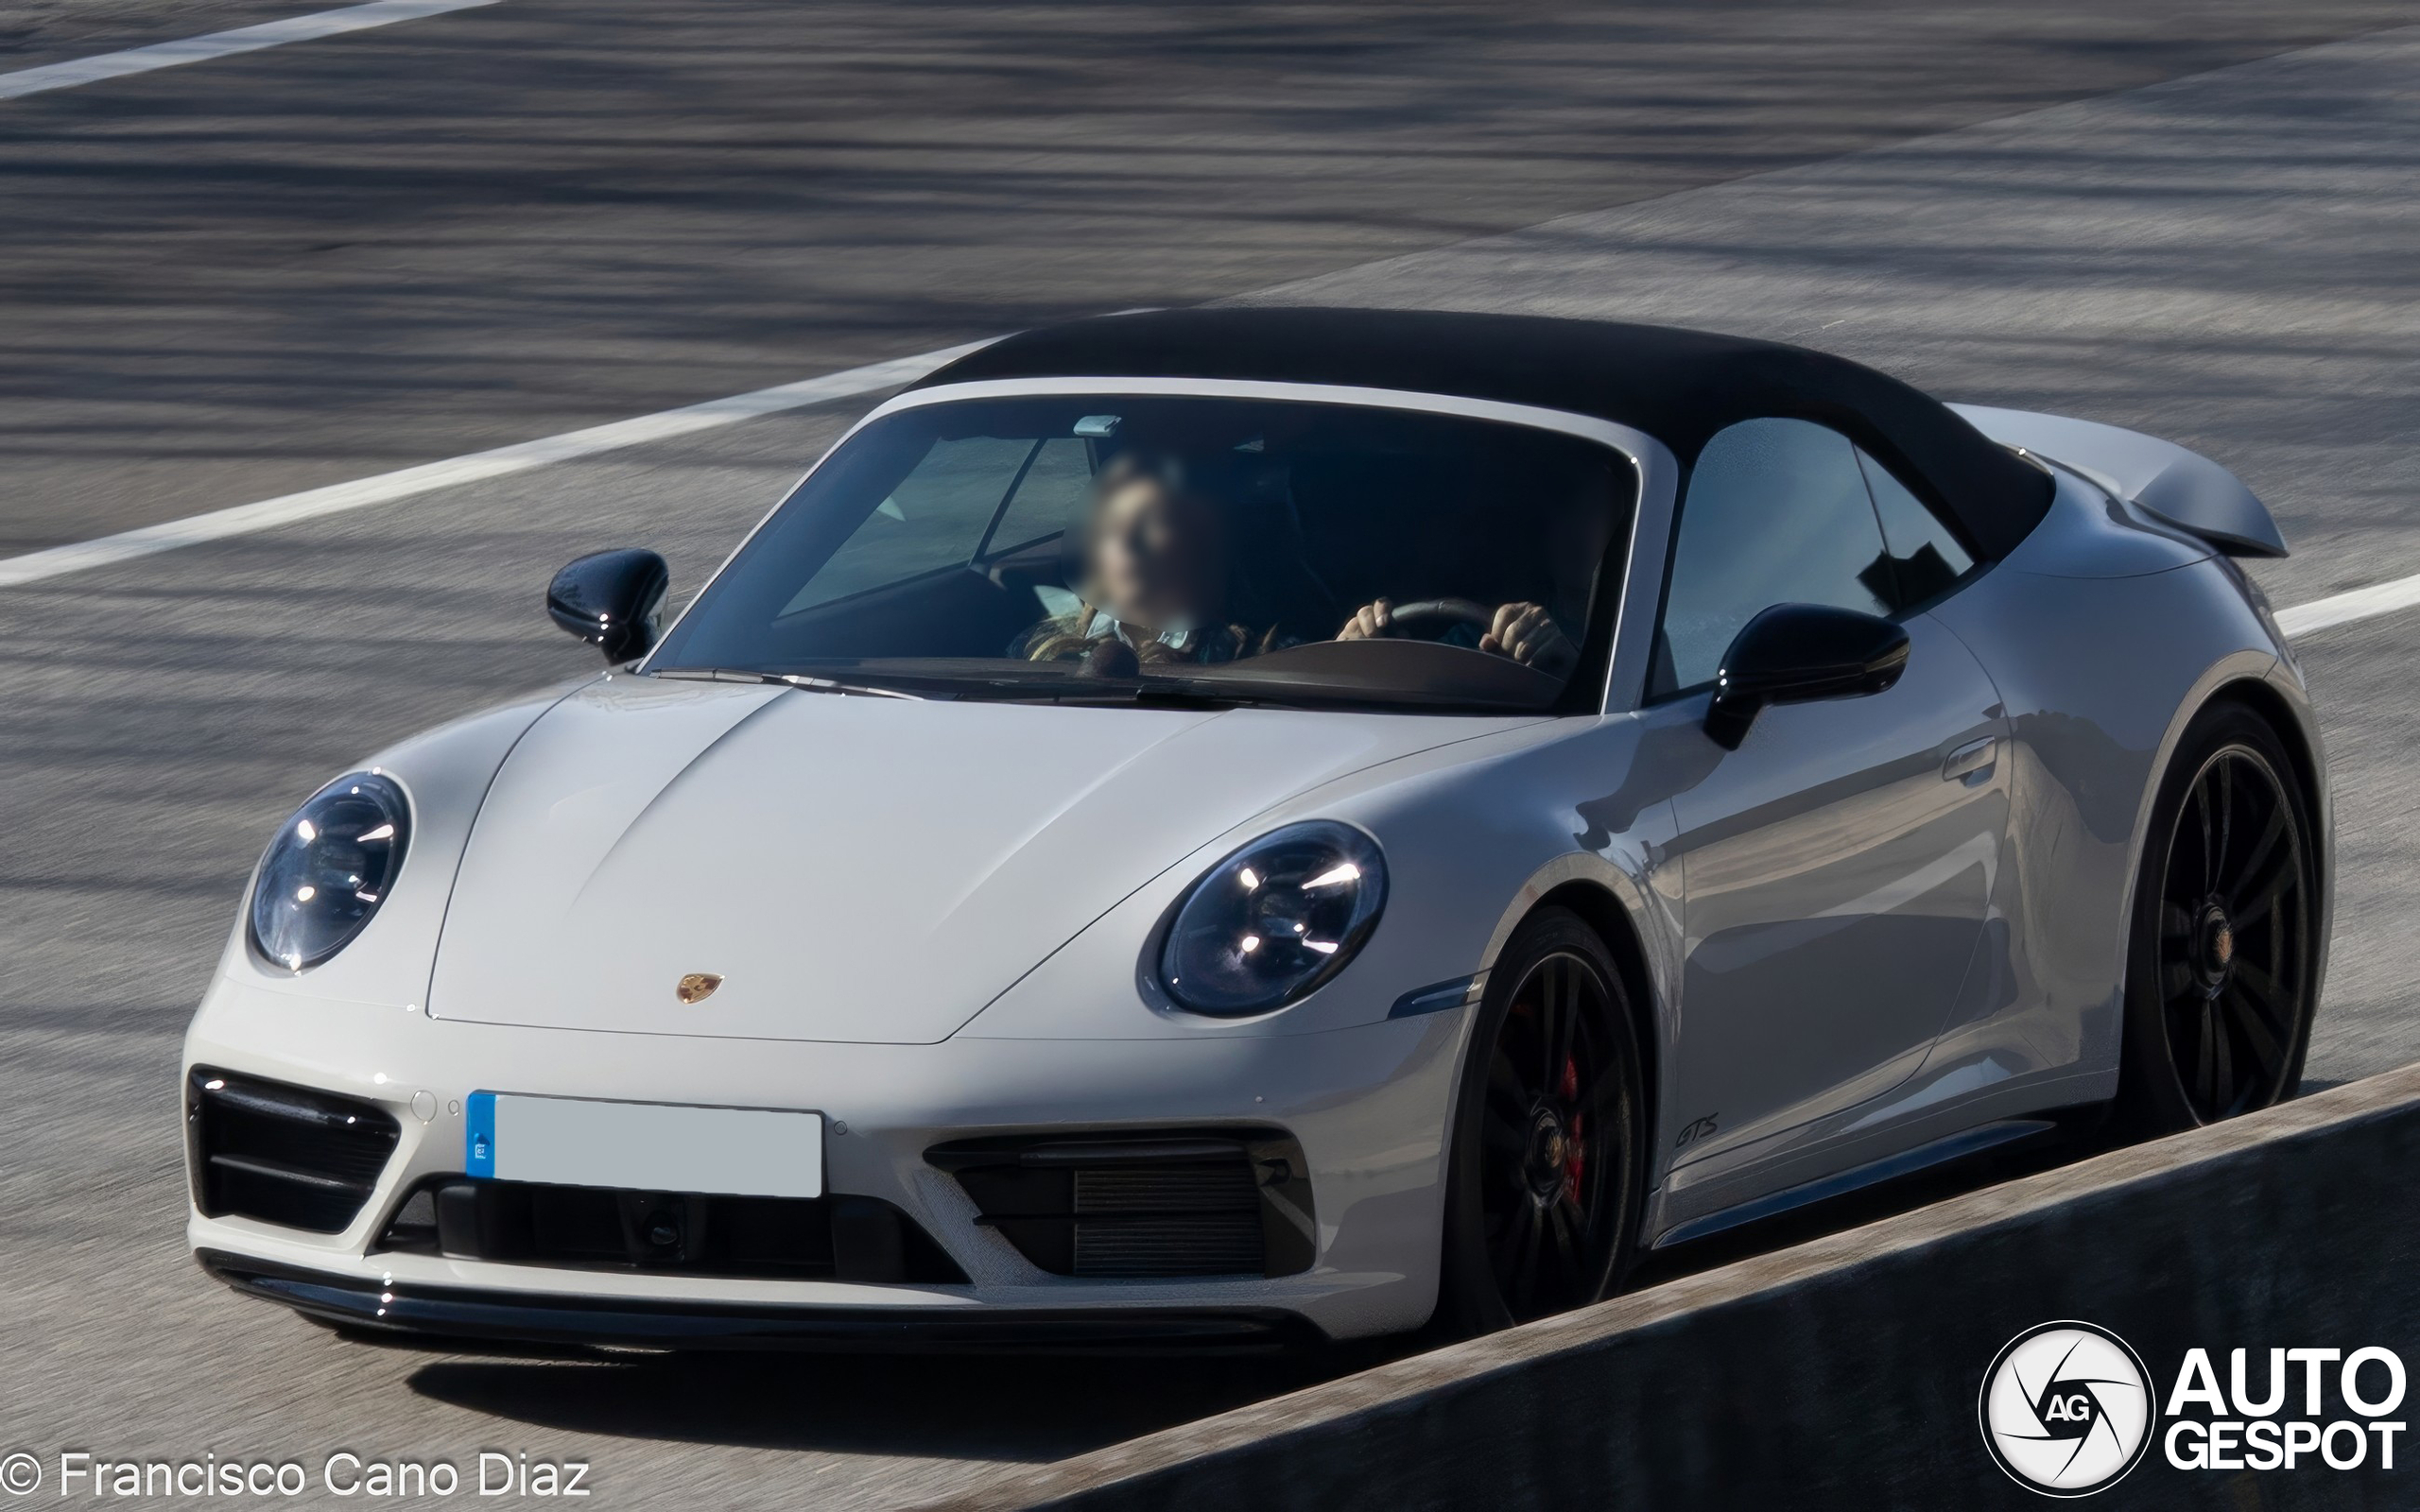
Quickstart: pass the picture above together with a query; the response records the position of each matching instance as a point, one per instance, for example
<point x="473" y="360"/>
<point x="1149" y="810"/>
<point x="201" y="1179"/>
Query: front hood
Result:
<point x="855" y="868"/>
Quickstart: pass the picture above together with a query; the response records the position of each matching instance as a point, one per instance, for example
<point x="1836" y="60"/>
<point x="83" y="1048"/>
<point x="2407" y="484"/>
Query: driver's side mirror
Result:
<point x="1795" y="653"/>
<point x="612" y="600"/>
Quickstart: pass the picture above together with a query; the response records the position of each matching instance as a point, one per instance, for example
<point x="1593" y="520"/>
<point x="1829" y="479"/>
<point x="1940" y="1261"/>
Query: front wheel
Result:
<point x="2220" y="969"/>
<point x="1545" y="1178"/>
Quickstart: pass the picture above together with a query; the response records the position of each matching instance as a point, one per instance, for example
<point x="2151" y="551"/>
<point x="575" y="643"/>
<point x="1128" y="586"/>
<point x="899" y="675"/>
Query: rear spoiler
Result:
<point x="2185" y="488"/>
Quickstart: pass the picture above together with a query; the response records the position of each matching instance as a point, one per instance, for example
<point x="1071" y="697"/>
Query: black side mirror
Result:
<point x="611" y="600"/>
<point x="1795" y="653"/>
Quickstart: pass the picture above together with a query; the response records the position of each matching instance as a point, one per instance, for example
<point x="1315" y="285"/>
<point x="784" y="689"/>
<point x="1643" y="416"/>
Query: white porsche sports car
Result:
<point x="1221" y="826"/>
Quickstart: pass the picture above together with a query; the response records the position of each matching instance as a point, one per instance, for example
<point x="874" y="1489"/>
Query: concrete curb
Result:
<point x="1846" y="1371"/>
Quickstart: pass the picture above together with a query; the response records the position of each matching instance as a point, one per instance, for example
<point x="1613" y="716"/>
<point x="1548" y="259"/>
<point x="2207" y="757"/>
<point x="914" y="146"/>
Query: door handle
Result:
<point x="1972" y="762"/>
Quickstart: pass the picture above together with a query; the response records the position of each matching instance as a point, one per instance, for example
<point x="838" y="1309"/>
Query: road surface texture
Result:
<point x="236" y="279"/>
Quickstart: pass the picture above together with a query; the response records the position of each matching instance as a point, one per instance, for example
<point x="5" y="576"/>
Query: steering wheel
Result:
<point x="1445" y="610"/>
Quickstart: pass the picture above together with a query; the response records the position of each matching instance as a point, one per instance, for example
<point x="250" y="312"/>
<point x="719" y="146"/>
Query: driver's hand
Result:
<point x="1370" y="621"/>
<point x="1529" y="635"/>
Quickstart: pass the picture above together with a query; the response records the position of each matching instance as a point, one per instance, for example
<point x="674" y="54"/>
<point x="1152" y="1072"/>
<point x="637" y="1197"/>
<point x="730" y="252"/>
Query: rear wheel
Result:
<point x="2221" y="972"/>
<point x="1544" y="1184"/>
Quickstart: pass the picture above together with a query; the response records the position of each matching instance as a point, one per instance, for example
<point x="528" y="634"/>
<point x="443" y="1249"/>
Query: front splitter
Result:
<point x="469" y="1318"/>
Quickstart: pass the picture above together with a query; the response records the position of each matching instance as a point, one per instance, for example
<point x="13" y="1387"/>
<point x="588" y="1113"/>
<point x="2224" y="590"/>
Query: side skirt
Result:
<point x="1889" y="1168"/>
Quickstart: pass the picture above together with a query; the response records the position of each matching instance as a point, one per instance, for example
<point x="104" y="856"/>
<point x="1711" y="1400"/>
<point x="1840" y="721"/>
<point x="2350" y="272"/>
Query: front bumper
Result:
<point x="1368" y="1106"/>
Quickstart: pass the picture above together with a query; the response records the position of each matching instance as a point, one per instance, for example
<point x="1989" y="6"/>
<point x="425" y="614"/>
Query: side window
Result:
<point x="1925" y="557"/>
<point x="1778" y="512"/>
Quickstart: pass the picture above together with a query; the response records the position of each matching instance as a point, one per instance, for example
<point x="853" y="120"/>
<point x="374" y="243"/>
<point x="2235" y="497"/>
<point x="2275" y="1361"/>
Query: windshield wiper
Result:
<point x="1194" y="695"/>
<point x="1211" y="693"/>
<point x="1153" y="692"/>
<point x="1156" y="693"/>
<point x="790" y="680"/>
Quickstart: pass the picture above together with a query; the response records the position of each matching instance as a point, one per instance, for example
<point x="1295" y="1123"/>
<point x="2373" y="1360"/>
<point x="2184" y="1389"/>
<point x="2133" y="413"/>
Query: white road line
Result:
<point x="2343" y="608"/>
<point x="522" y="457"/>
<point x="222" y="44"/>
<point x="2302" y="619"/>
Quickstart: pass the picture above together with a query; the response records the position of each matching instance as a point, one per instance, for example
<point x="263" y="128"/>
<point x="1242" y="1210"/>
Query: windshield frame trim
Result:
<point x="1651" y="459"/>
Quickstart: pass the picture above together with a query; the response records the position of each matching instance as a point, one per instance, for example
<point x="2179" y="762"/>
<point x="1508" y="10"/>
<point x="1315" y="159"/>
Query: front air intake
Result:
<point x="1146" y="1205"/>
<point x="284" y="1155"/>
<point x="665" y="1234"/>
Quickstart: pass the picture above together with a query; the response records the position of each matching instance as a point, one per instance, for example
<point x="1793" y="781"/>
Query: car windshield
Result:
<point x="1124" y="548"/>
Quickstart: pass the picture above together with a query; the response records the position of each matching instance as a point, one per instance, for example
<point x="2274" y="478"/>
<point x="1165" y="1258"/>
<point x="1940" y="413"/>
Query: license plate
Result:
<point x="747" y="1152"/>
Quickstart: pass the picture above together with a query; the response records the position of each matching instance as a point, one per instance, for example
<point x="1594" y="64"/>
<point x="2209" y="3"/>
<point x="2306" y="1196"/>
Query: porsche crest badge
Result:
<point x="698" y="985"/>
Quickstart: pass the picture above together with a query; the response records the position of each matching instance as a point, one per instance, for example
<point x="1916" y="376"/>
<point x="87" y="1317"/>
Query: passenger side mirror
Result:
<point x="1795" y="653"/>
<point x="612" y="599"/>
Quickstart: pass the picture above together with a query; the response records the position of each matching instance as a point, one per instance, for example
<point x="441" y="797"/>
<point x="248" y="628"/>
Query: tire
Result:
<point x="1546" y="1172"/>
<point x="2222" y="955"/>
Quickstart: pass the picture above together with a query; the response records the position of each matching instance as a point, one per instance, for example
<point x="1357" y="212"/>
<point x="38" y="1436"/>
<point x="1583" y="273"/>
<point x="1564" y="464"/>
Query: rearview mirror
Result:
<point x="1795" y="653"/>
<point x="612" y="599"/>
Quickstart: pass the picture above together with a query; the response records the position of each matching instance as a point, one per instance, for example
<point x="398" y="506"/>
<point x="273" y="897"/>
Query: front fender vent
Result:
<point x="1139" y="1204"/>
<point x="284" y="1155"/>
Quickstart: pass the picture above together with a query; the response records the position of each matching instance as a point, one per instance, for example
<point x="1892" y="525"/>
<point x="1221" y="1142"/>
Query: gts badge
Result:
<point x="1701" y="1129"/>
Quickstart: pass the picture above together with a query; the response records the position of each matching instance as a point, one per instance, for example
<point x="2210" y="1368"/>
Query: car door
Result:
<point x="1838" y="868"/>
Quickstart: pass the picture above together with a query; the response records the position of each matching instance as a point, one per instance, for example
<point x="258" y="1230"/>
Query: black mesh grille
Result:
<point x="528" y="1223"/>
<point x="283" y="1155"/>
<point x="1224" y="1186"/>
<point x="1211" y="1244"/>
<point x="1143" y="1205"/>
<point x="1175" y="1220"/>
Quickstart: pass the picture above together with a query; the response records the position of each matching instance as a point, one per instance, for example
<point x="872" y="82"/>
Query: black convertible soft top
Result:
<point x="1680" y="387"/>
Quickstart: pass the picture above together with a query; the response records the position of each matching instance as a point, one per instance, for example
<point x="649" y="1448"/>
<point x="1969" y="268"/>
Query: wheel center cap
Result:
<point x="2217" y="953"/>
<point x="1550" y="1148"/>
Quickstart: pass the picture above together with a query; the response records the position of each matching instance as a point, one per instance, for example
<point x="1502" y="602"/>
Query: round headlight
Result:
<point x="328" y="870"/>
<point x="1275" y="920"/>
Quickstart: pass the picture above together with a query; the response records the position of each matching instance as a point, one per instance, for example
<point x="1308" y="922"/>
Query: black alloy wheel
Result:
<point x="1544" y="1185"/>
<point x="2223" y="975"/>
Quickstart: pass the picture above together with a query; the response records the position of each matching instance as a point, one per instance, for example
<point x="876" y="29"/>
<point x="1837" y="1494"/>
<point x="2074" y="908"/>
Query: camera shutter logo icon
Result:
<point x="2066" y="1409"/>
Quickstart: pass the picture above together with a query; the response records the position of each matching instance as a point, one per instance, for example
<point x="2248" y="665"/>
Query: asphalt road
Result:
<point x="225" y="281"/>
<point x="229" y="282"/>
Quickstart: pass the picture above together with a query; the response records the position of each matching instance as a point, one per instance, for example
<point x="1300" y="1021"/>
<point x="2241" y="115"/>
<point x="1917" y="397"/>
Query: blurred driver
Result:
<point x="1158" y="580"/>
